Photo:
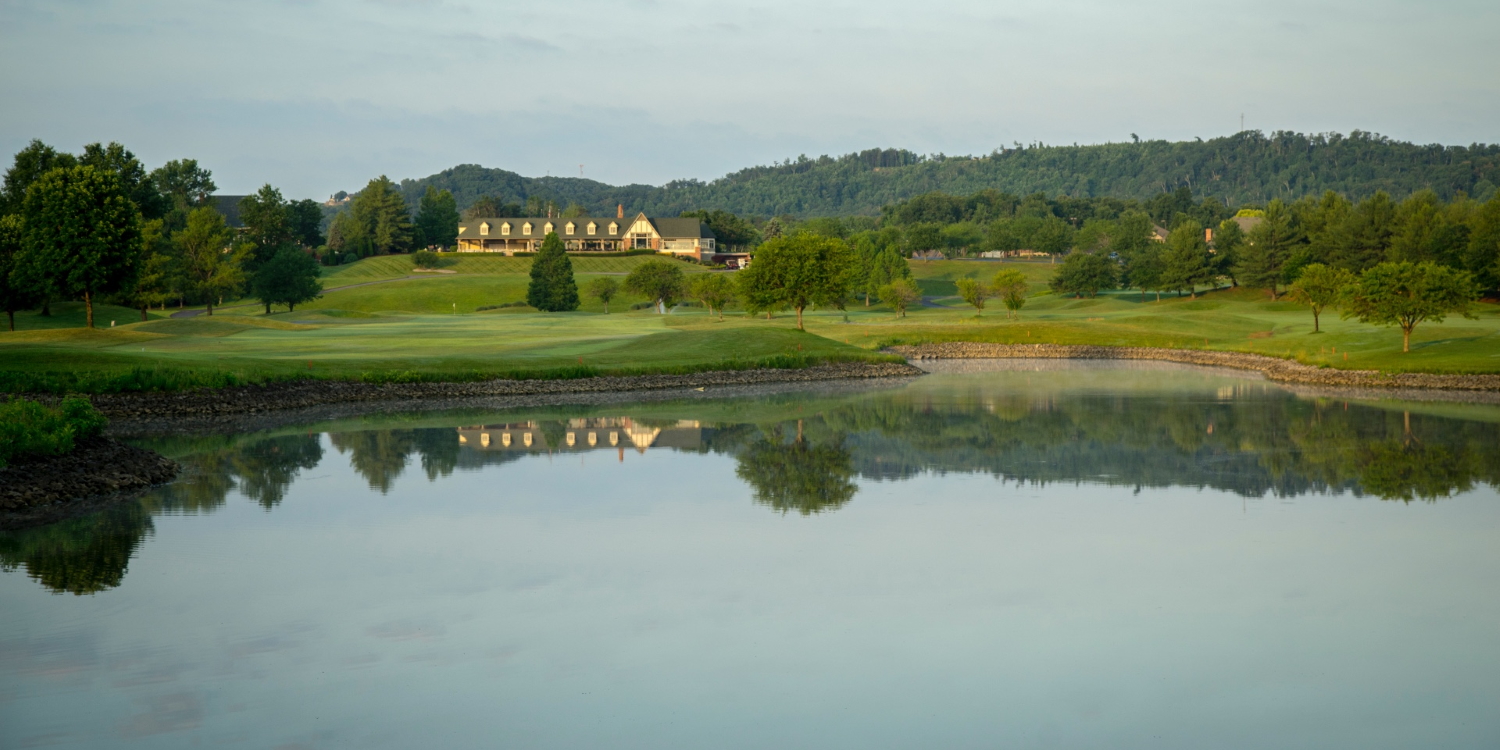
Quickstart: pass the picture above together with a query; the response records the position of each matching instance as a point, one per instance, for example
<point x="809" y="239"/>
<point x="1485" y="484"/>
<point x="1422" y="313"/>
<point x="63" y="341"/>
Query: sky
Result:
<point x="315" y="96"/>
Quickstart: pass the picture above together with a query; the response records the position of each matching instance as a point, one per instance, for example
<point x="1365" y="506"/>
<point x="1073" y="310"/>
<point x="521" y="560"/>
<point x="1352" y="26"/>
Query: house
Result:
<point x="1160" y="233"/>
<point x="928" y="255"/>
<point x="595" y="433"/>
<point x="1248" y="223"/>
<point x="588" y="234"/>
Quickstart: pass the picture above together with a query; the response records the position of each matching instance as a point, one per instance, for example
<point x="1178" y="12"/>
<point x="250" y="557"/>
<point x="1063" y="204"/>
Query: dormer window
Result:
<point x="568" y="227"/>
<point x="547" y="228"/>
<point x="593" y="228"/>
<point x="614" y="228"/>
<point x="484" y="228"/>
<point x="526" y="229"/>
<point x="504" y="228"/>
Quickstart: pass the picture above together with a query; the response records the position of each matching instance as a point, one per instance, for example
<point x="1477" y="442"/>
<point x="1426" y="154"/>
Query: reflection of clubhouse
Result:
<point x="582" y="435"/>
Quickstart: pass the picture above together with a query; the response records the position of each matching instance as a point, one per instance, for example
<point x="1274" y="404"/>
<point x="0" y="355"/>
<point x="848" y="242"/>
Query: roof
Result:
<point x="1248" y="223"/>
<point x="667" y="228"/>
<point x="229" y="207"/>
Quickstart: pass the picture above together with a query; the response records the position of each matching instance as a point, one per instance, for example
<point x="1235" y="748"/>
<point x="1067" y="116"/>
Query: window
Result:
<point x="614" y="228"/>
<point x="547" y="228"/>
<point x="526" y="229"/>
<point x="592" y="228"/>
<point x="568" y="227"/>
<point x="484" y="228"/>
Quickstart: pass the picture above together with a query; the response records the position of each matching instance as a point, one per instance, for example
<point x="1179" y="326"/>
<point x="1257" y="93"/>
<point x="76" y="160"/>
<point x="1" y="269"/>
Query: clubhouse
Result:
<point x="585" y="234"/>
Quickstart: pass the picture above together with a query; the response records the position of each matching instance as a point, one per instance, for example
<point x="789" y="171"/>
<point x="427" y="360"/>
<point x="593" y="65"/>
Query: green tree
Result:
<point x="1011" y="287"/>
<point x="801" y="271"/>
<point x="211" y="267"/>
<point x="1319" y="286"/>
<point x="437" y="216"/>
<point x="83" y="231"/>
<point x="289" y="278"/>
<point x="660" y="281"/>
<point x="266" y="228"/>
<point x="1085" y="274"/>
<point x="13" y="296"/>
<point x="1268" y="248"/>
<point x="604" y="289"/>
<point x="30" y="164"/>
<point x="974" y="292"/>
<point x="1405" y="294"/>
<point x="133" y="177"/>
<point x="1227" y="243"/>
<point x="1186" y="262"/>
<point x="714" y="290"/>
<point x="730" y="231"/>
<point x="184" y="185"/>
<point x="899" y="294"/>
<point x="552" y="288"/>
<point x="304" y="220"/>
<point x="159" y="275"/>
<point x="381" y="214"/>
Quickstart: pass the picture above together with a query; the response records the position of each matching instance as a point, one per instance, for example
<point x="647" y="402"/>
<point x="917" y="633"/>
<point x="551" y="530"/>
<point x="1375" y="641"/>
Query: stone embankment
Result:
<point x="99" y="471"/>
<point x="1274" y="368"/>
<point x="305" y="394"/>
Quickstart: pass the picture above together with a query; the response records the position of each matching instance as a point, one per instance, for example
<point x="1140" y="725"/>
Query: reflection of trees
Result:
<point x="798" y="475"/>
<point x="266" y="468"/>
<point x="381" y="455"/>
<point x="83" y="555"/>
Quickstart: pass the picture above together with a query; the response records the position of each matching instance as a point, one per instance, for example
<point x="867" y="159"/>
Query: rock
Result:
<point x="98" y="471"/>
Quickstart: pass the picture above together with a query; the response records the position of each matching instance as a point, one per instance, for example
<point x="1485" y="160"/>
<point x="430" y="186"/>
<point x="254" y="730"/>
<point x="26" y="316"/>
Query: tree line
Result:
<point x="1242" y="168"/>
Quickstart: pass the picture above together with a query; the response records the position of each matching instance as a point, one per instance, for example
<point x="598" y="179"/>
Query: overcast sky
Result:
<point x="316" y="96"/>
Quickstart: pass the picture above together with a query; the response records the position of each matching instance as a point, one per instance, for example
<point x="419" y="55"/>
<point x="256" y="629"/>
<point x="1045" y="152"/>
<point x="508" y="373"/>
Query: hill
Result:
<point x="1247" y="167"/>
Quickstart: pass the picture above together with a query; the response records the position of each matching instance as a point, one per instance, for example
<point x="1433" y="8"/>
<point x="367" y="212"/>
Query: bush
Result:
<point x="28" y="428"/>
<point x="424" y="259"/>
<point x="501" y="307"/>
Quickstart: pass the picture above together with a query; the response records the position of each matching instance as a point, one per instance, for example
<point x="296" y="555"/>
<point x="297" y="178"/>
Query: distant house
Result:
<point x="229" y="207"/>
<point x="1248" y="223"/>
<point x="585" y="234"/>
<point x="928" y="255"/>
<point x="1160" y="233"/>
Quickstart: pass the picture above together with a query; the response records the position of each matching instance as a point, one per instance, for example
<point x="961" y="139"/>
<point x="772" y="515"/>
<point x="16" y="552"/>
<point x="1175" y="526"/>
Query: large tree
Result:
<point x="304" y="220"/>
<point x="158" y="278"/>
<point x="660" y="281"/>
<point x="730" y="231"/>
<point x="184" y="184"/>
<point x="801" y="271"/>
<point x="212" y="266"/>
<point x="437" y="218"/>
<point x="1405" y="294"/>
<point x="30" y="164"/>
<point x="1085" y="275"/>
<point x="381" y="213"/>
<point x="13" y="296"/>
<point x="82" y="231"/>
<point x="289" y="278"/>
<point x="136" y="181"/>
<point x="1268" y="248"/>
<point x="1186" y="262"/>
<point x="552" y="287"/>
<point x="265" y="218"/>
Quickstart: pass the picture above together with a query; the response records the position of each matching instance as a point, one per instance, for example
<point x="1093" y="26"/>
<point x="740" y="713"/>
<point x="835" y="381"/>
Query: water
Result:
<point x="1054" y="555"/>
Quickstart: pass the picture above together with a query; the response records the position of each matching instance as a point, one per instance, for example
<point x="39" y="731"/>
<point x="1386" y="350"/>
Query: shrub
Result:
<point x="424" y="259"/>
<point x="28" y="428"/>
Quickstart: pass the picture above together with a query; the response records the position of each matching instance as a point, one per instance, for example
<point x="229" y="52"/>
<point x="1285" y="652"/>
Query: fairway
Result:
<point x="428" y="327"/>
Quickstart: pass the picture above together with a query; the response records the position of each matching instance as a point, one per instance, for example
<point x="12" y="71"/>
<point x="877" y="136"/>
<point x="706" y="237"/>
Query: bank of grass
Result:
<point x="461" y="264"/>
<point x="411" y="349"/>
<point x="29" y="429"/>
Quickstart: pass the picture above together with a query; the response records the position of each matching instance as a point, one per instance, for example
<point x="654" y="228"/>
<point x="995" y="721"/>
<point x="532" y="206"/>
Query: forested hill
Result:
<point x="1248" y="167"/>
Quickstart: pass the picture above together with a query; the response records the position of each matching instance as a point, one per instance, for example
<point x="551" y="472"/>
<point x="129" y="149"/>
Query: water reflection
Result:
<point x="803" y="456"/>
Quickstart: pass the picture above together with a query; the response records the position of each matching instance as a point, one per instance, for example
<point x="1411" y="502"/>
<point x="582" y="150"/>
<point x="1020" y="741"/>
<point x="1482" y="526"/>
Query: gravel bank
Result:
<point x="277" y="397"/>
<point x="98" y="472"/>
<point x="1274" y="368"/>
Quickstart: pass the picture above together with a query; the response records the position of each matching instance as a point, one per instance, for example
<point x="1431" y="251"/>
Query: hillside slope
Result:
<point x="1246" y="167"/>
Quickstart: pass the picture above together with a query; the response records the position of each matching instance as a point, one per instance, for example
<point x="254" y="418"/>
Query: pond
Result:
<point x="1028" y="554"/>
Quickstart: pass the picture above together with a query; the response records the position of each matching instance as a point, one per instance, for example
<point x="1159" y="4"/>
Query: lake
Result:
<point x="999" y="554"/>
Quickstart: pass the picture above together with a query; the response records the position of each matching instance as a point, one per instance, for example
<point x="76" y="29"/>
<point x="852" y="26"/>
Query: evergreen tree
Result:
<point x="437" y="218"/>
<point x="384" y="224"/>
<point x="1185" y="264"/>
<point x="1262" y="262"/>
<point x="552" y="288"/>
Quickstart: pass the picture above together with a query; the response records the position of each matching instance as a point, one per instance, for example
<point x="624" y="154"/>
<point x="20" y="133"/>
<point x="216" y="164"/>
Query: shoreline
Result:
<point x="264" y="399"/>
<point x="1274" y="369"/>
<point x="99" y="472"/>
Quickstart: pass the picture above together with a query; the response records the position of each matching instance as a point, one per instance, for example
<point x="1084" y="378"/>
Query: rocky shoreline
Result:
<point x="98" y="472"/>
<point x="1273" y="368"/>
<point x="208" y="403"/>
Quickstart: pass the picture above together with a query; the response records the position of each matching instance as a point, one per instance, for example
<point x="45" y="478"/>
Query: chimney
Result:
<point x="1208" y="235"/>
<point x="620" y="211"/>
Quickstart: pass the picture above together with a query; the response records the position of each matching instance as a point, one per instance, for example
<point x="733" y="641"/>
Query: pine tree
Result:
<point x="552" y="287"/>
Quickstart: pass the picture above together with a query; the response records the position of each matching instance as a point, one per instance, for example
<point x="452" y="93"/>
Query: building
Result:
<point x="595" y="433"/>
<point x="588" y="234"/>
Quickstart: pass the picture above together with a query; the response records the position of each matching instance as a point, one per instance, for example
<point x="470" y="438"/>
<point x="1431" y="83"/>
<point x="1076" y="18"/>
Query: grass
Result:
<point x="407" y="330"/>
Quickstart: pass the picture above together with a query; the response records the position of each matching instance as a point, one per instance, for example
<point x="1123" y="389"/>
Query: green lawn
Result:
<point x="408" y="328"/>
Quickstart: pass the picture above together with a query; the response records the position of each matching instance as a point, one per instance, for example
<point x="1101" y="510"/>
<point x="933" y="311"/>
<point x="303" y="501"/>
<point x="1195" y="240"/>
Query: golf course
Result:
<point x="381" y="320"/>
